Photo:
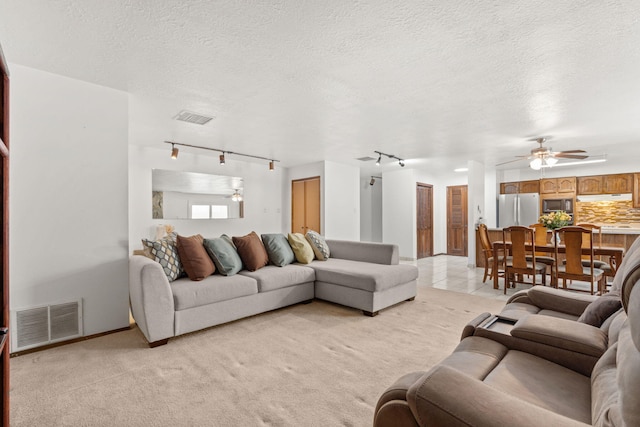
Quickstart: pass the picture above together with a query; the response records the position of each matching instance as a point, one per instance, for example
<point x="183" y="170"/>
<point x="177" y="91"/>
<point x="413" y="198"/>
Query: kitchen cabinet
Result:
<point x="560" y="187"/>
<point x="617" y="183"/>
<point x="532" y="186"/>
<point x="590" y="184"/>
<point x="636" y="190"/>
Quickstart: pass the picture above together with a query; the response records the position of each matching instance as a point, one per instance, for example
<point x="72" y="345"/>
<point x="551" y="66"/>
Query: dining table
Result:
<point x="615" y="254"/>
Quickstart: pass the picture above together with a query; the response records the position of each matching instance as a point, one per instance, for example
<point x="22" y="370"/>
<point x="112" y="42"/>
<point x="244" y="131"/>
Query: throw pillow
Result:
<point x="301" y="248"/>
<point x="165" y="252"/>
<point x="278" y="249"/>
<point x="251" y="251"/>
<point x="599" y="310"/>
<point x="318" y="244"/>
<point x="224" y="256"/>
<point x="195" y="260"/>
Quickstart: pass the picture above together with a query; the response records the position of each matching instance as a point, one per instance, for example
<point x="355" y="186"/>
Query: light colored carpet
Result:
<point x="307" y="365"/>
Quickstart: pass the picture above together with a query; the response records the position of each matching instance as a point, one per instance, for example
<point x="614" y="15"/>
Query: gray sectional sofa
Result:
<point x="362" y="275"/>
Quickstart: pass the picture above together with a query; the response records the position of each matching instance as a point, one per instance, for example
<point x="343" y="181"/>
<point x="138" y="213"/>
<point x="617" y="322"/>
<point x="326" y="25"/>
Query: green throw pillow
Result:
<point x="224" y="256"/>
<point x="278" y="249"/>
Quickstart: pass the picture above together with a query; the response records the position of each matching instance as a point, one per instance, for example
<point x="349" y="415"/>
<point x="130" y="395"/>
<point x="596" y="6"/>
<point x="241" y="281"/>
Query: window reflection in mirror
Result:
<point x="192" y="195"/>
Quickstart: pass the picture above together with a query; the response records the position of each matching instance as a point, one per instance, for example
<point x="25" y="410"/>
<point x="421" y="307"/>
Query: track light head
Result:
<point x="373" y="181"/>
<point x="379" y="158"/>
<point x="222" y="161"/>
<point x="174" y="152"/>
<point x="401" y="163"/>
<point x="271" y="165"/>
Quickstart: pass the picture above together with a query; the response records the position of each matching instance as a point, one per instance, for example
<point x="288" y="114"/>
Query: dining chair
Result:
<point x="608" y="267"/>
<point x="576" y="240"/>
<point x="541" y="239"/>
<point x="487" y="250"/>
<point x="520" y="239"/>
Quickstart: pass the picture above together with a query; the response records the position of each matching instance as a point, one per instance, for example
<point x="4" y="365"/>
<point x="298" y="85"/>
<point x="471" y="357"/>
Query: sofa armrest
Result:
<point x="378" y="253"/>
<point x="446" y="397"/>
<point x="151" y="298"/>
<point x="559" y="300"/>
<point x="470" y="328"/>
<point x="562" y="333"/>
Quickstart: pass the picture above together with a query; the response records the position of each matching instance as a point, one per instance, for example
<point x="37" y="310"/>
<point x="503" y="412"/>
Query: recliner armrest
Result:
<point x="562" y="333"/>
<point x="446" y="397"/>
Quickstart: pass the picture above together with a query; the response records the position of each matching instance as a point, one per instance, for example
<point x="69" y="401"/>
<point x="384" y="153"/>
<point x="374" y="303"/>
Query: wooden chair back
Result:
<point x="485" y="242"/>
<point x="540" y="235"/>
<point x="575" y="240"/>
<point x="519" y="236"/>
<point x="596" y="231"/>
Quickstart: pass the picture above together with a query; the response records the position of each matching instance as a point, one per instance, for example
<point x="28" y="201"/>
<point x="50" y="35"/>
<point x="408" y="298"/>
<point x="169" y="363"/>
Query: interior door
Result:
<point x="424" y="219"/>
<point x="305" y="205"/>
<point x="457" y="220"/>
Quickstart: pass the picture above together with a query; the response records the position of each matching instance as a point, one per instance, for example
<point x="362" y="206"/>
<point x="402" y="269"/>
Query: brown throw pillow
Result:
<point x="194" y="257"/>
<point x="600" y="310"/>
<point x="251" y="250"/>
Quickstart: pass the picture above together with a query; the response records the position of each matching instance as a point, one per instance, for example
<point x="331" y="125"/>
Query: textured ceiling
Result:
<point x="437" y="82"/>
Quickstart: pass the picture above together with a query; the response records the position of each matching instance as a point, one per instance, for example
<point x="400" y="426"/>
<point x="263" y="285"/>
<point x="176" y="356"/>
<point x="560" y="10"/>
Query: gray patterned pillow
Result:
<point x="318" y="244"/>
<point x="165" y="252"/>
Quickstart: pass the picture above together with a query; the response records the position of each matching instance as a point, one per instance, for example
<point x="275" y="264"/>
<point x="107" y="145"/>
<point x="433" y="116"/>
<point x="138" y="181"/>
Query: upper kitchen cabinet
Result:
<point x="590" y="184"/>
<point x="606" y="184"/>
<point x="532" y="186"/>
<point x="617" y="184"/>
<point x="565" y="186"/>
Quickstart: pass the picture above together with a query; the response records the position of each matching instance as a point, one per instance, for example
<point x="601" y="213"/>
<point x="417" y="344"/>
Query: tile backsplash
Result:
<point x="609" y="212"/>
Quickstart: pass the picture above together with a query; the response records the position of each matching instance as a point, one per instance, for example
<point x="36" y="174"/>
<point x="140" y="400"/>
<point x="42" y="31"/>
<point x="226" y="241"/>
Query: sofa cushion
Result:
<point x="301" y="248"/>
<point x="251" y="251"/>
<point x="165" y="252"/>
<point x="195" y="260"/>
<point x="600" y="310"/>
<point x="318" y="244"/>
<point x="544" y="384"/>
<point x="212" y="289"/>
<point x="271" y="277"/>
<point x="363" y="275"/>
<point x="224" y="255"/>
<point x="278" y="249"/>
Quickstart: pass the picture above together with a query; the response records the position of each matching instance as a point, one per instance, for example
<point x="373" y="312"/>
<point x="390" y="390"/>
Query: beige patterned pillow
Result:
<point x="165" y="252"/>
<point x="318" y="244"/>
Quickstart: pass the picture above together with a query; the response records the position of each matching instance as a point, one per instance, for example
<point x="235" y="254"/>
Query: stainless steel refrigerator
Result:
<point x="518" y="209"/>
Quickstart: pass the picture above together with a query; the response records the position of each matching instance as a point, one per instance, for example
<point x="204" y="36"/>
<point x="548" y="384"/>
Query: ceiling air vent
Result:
<point x="365" y="159"/>
<point x="191" y="117"/>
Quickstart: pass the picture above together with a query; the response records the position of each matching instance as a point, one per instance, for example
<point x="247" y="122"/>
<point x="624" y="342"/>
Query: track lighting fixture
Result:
<point x="174" y="153"/>
<point x="373" y="179"/>
<point x="391" y="156"/>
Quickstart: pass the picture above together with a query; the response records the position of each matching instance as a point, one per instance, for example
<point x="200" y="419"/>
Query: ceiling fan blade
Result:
<point x="564" y="155"/>
<point x="511" y="161"/>
<point x="571" y="151"/>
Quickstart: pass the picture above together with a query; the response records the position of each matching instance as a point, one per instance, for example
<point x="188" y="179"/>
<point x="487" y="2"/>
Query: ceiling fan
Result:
<point x="545" y="157"/>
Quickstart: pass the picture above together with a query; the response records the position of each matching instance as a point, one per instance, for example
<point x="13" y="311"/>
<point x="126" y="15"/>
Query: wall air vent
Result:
<point x="37" y="326"/>
<point x="191" y="117"/>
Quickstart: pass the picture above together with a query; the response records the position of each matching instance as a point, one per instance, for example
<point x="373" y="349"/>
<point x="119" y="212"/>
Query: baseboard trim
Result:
<point x="72" y="341"/>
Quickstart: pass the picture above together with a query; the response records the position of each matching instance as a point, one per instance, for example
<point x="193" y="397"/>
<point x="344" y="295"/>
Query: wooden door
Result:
<point x="424" y="217"/>
<point x="457" y="220"/>
<point x="4" y="240"/>
<point x="305" y="205"/>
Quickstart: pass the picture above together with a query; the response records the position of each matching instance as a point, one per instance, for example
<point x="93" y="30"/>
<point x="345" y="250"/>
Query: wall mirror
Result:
<point x="192" y="195"/>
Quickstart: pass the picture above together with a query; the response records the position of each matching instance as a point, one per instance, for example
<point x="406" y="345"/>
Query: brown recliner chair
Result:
<point x="546" y="371"/>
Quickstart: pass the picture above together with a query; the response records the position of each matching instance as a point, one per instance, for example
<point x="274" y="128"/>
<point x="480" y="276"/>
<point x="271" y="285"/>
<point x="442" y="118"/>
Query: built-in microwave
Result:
<point x="551" y="205"/>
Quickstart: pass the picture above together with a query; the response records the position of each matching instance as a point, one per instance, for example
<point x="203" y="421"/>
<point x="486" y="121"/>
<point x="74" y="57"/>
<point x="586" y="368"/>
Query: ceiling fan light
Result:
<point x="536" y="164"/>
<point x="550" y="161"/>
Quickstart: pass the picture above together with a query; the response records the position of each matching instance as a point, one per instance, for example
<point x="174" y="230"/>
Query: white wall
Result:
<point x="475" y="205"/>
<point x="370" y="210"/>
<point x="69" y="196"/>
<point x="399" y="211"/>
<point x="262" y="194"/>
<point x="342" y="201"/>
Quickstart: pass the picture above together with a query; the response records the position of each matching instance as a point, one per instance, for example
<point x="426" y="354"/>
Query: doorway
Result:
<point x="457" y="220"/>
<point x="424" y="219"/>
<point x="305" y="205"/>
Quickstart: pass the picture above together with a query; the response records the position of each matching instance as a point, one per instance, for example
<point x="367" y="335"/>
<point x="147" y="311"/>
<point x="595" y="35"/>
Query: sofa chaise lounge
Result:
<point x="362" y="275"/>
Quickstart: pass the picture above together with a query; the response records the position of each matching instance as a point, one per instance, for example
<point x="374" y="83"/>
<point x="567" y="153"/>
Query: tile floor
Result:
<point x="451" y="273"/>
